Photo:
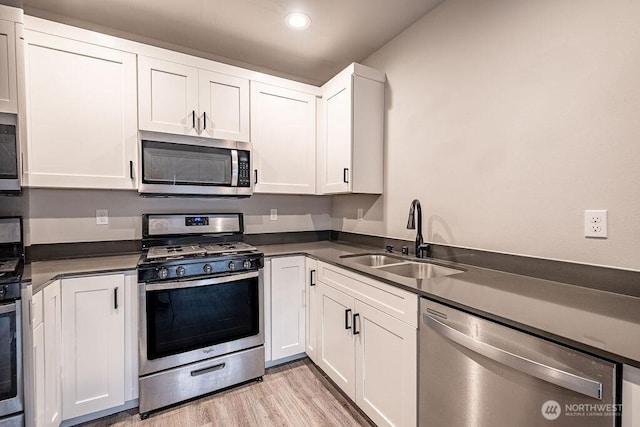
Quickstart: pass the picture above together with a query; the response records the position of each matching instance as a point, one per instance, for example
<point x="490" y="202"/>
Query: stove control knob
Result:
<point x="232" y="266"/>
<point x="180" y="271"/>
<point x="163" y="273"/>
<point x="246" y="264"/>
<point x="207" y="268"/>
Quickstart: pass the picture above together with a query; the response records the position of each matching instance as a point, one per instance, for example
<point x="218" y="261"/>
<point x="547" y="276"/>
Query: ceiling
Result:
<point x="249" y="33"/>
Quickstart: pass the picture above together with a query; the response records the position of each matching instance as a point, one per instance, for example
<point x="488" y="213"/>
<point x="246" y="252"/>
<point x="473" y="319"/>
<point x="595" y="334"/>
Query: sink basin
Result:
<point x="373" y="260"/>
<point x="419" y="270"/>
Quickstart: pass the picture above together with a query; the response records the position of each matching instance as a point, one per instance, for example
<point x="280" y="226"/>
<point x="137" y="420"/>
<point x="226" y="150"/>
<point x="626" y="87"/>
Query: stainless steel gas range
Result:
<point x="201" y="297"/>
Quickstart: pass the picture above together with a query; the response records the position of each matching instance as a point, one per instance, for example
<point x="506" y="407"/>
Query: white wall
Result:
<point x="508" y="119"/>
<point x="58" y="216"/>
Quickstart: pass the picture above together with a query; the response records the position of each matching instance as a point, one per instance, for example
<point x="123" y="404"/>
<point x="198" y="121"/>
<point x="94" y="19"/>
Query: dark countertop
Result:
<point x="41" y="273"/>
<point x="602" y="323"/>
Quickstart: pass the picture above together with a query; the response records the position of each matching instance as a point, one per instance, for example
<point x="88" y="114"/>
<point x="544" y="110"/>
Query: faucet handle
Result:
<point x="389" y="249"/>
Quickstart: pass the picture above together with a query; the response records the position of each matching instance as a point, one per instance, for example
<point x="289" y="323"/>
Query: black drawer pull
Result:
<point x="355" y="317"/>
<point x="205" y="121"/>
<point x="312" y="278"/>
<point x="347" y="313"/>
<point x="193" y="119"/>
<point x="115" y="298"/>
<point x="345" y="175"/>
<point x="207" y="370"/>
<point x="131" y="169"/>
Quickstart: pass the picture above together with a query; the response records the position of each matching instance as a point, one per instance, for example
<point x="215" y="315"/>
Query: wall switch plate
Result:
<point x="360" y="214"/>
<point x="102" y="217"/>
<point x="274" y="214"/>
<point x="595" y="223"/>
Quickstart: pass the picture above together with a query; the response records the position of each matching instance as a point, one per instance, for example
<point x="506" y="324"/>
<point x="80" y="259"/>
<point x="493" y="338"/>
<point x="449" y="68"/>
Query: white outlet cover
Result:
<point x="274" y="214"/>
<point x="595" y="224"/>
<point x="102" y="217"/>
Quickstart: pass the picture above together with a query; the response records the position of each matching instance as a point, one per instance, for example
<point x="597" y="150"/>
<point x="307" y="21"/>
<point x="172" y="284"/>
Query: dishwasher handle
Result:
<point x="585" y="386"/>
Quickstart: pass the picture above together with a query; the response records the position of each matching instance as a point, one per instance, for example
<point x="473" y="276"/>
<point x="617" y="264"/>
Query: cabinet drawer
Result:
<point x="36" y="309"/>
<point x="396" y="302"/>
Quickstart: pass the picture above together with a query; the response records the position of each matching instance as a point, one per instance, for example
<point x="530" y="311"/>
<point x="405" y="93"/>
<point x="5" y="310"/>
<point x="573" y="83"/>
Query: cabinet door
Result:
<point x="386" y="367"/>
<point x="336" y="347"/>
<point x="94" y="341"/>
<point x="266" y="271"/>
<point x="224" y="106"/>
<point x="287" y="306"/>
<point x="335" y="150"/>
<point x="38" y="375"/>
<point x="167" y="97"/>
<point x="283" y="133"/>
<point x="311" y="283"/>
<point x="81" y="114"/>
<point x="53" y="354"/>
<point x="8" y="86"/>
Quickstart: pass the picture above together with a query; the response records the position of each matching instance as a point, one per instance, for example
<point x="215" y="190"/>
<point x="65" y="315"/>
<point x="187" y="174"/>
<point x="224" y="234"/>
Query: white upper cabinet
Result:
<point x="81" y="114"/>
<point x="8" y="85"/>
<point x="283" y="133"/>
<point x="168" y="96"/>
<point x="184" y="100"/>
<point x="224" y="106"/>
<point x="350" y="146"/>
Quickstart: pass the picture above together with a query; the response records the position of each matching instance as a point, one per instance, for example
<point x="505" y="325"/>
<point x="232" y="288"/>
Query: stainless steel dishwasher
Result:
<point x="474" y="372"/>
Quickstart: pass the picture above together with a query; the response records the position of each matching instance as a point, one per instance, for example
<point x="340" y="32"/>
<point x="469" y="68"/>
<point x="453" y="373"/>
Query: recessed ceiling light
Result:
<point x="297" y="20"/>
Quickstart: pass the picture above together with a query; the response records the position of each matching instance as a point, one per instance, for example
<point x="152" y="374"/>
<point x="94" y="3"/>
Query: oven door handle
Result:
<point x="8" y="308"/>
<point x="197" y="283"/>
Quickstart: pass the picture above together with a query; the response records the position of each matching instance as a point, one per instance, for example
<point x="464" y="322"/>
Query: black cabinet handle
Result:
<point x="345" y="175"/>
<point x="204" y="126"/>
<point x="255" y="175"/>
<point x="115" y="299"/>
<point x="312" y="278"/>
<point x="355" y="316"/>
<point x="131" y="169"/>
<point x="347" y="314"/>
<point x="193" y="119"/>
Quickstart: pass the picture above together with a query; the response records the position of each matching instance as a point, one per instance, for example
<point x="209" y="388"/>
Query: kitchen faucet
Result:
<point x="422" y="249"/>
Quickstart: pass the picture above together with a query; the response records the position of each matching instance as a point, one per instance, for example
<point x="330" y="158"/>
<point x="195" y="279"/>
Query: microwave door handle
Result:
<point x="234" y="168"/>
<point x="585" y="386"/>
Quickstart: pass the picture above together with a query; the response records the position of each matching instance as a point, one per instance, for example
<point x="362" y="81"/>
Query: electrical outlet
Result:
<point x="102" y="217"/>
<point x="274" y="214"/>
<point x="360" y="214"/>
<point x="595" y="223"/>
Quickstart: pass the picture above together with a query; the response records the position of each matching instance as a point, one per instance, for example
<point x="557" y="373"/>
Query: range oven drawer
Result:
<point x="186" y="382"/>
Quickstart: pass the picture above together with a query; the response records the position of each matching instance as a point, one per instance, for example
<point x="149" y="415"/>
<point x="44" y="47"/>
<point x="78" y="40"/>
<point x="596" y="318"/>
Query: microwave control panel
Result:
<point x="244" y="175"/>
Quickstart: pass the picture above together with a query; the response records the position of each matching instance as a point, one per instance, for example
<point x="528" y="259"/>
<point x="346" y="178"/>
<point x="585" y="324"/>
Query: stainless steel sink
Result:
<point x="419" y="270"/>
<point x="373" y="260"/>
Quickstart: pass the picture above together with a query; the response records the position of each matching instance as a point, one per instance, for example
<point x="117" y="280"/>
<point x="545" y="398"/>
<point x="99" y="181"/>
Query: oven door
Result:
<point x="9" y="172"/>
<point x="194" y="168"/>
<point x="187" y="321"/>
<point x="10" y="359"/>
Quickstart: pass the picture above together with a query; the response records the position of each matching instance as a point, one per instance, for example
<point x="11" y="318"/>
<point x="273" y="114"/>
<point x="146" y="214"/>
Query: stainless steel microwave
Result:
<point x="180" y="165"/>
<point x="9" y="155"/>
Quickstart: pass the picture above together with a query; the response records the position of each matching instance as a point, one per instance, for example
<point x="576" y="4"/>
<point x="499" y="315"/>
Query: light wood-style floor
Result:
<point x="295" y="394"/>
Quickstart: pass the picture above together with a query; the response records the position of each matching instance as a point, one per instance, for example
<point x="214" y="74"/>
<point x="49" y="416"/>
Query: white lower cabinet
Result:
<point x="46" y="357"/>
<point x="84" y="350"/>
<point x="369" y="353"/>
<point x="93" y="344"/>
<point x="287" y="306"/>
<point x="311" y="296"/>
<point x="630" y="396"/>
<point x="53" y="354"/>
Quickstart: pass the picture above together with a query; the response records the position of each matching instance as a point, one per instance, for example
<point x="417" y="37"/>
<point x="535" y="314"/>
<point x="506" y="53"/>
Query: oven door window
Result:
<point x="8" y="152"/>
<point x="8" y="356"/>
<point x="185" y="319"/>
<point x="180" y="164"/>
